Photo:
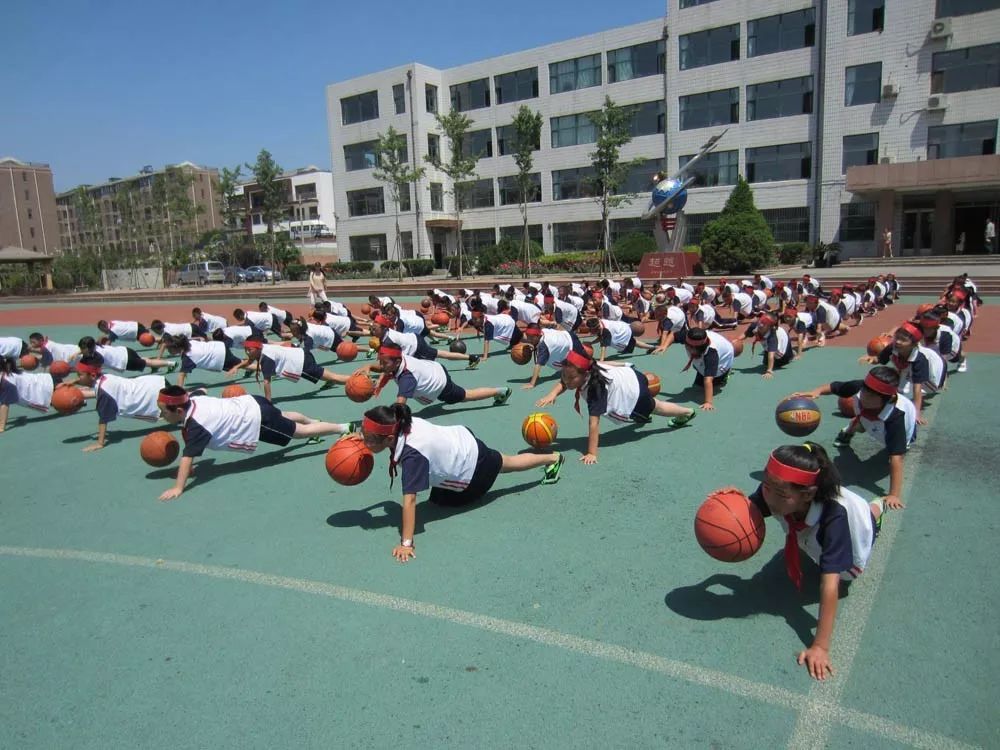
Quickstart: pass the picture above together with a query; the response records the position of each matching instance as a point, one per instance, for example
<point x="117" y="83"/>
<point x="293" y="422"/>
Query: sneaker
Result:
<point x="684" y="419"/>
<point x="352" y="427"/>
<point x="328" y="385"/>
<point x="501" y="398"/>
<point x="473" y="362"/>
<point x="843" y="438"/>
<point x="171" y="367"/>
<point x="551" y="475"/>
<point x="964" y="366"/>
<point x="314" y="440"/>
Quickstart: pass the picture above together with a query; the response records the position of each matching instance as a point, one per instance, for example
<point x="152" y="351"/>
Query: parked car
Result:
<point x="204" y="272"/>
<point x="262" y="273"/>
<point x="235" y="275"/>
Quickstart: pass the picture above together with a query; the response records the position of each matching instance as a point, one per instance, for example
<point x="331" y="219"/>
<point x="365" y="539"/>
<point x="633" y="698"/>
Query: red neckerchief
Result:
<point x="793" y="560"/>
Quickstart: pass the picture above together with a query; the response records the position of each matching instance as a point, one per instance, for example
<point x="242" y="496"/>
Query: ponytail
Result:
<point x="812" y="457"/>
<point x="397" y="414"/>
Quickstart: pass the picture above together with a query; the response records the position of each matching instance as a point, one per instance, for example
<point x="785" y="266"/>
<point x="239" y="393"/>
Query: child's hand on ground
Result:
<point x="891" y="501"/>
<point x="707" y="406"/>
<point x="589" y="458"/>
<point x="403" y="554"/>
<point x="817" y="661"/>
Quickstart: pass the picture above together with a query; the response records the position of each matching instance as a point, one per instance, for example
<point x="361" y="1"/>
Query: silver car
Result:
<point x="262" y="273"/>
<point x="205" y="272"/>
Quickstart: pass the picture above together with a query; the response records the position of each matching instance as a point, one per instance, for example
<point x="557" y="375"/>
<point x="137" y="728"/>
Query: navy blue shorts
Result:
<point x="275" y="428"/>
<point x="425" y="350"/>
<point x="133" y="362"/>
<point x="310" y="370"/>
<point x="645" y="404"/>
<point x="451" y="393"/>
<point x="488" y="467"/>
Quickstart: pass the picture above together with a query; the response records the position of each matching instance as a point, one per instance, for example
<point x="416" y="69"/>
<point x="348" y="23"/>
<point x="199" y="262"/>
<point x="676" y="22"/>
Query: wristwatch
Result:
<point x="406" y="543"/>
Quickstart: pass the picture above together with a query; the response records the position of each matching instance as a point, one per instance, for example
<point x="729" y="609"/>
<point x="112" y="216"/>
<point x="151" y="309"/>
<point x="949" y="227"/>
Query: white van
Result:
<point x="205" y="272"/>
<point x="311" y="229"/>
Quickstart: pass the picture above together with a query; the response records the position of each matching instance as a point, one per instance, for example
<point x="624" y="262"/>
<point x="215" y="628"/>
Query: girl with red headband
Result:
<point x="712" y="357"/>
<point x="234" y="424"/>
<point x="835" y="527"/>
<point x="551" y="346"/>
<point x="671" y="324"/>
<point x="28" y="389"/>
<point x="500" y="327"/>
<point x="618" y="392"/>
<point x="778" y="350"/>
<point x="287" y="362"/>
<point x="920" y="368"/>
<point x="943" y="340"/>
<point x="414" y="345"/>
<point x="884" y="414"/>
<point x="616" y="334"/>
<point x="427" y="381"/>
<point x="457" y="467"/>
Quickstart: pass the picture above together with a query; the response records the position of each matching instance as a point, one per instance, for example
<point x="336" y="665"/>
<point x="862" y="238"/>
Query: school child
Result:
<point x="551" y="346"/>
<point x="428" y="381"/>
<point x="456" y="466"/>
<point x="741" y="304"/>
<point x="762" y="282"/>
<point x="678" y="295"/>
<point x="700" y="315"/>
<point x="778" y="350"/>
<point x="943" y="340"/>
<point x="617" y="334"/>
<point x="117" y="396"/>
<point x="13" y="347"/>
<point x="261" y="322"/>
<point x="846" y="304"/>
<point x="712" y="357"/>
<point x="887" y="416"/>
<point x="920" y="368"/>
<point x="564" y="313"/>
<point x="826" y="318"/>
<point x="671" y="325"/>
<point x="802" y="324"/>
<point x="416" y="346"/>
<point x="126" y="330"/>
<point x="213" y="356"/>
<point x="28" y="389"/>
<point x="279" y="319"/>
<point x="523" y="311"/>
<point x="121" y="358"/>
<point x="206" y="323"/>
<point x="232" y="336"/>
<point x="500" y="327"/>
<point x="163" y="330"/>
<point x="236" y="424"/>
<point x="315" y="335"/>
<point x="834" y="526"/>
<point x="286" y="362"/>
<point x="50" y="351"/>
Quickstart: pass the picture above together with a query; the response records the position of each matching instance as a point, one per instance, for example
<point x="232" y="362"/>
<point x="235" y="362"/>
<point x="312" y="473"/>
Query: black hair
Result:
<point x="398" y="414"/>
<point x="196" y="312"/>
<point x="218" y="335"/>
<point x="93" y="359"/>
<point x="180" y="343"/>
<point x="502" y="305"/>
<point x="298" y="327"/>
<point x="597" y="384"/>
<point x="87" y="344"/>
<point x="696" y="334"/>
<point x="239" y="314"/>
<point x="257" y="337"/>
<point x="327" y="306"/>
<point x="35" y="335"/>
<point x="262" y="307"/>
<point x="593" y="323"/>
<point x="887" y="375"/>
<point x="102" y="324"/>
<point x="9" y="366"/>
<point x="319" y="316"/>
<point x="812" y="457"/>
<point x="156" y="326"/>
<point x="174" y="390"/>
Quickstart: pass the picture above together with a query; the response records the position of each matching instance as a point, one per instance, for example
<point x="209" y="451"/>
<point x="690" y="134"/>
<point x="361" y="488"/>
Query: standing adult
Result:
<point x="887" y="243"/>
<point x="990" y="235"/>
<point x="317" y="284"/>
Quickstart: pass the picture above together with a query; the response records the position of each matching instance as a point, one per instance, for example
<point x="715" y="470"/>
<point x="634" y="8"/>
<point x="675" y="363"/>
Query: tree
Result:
<point x="527" y="139"/>
<point x="614" y="129"/>
<point x="393" y="169"/>
<point x="738" y="239"/>
<point x="460" y="168"/>
<point x="273" y="192"/>
<point x="233" y="201"/>
<point x="90" y="230"/>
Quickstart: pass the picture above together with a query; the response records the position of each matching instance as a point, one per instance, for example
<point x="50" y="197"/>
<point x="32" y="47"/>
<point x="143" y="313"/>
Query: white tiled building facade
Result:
<point x="807" y="88"/>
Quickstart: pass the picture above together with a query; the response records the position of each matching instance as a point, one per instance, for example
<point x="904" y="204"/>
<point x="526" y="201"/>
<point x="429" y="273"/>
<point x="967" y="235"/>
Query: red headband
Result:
<point x="579" y="361"/>
<point x="371" y="427"/>
<point x="928" y="322"/>
<point x="390" y="350"/>
<point x="767" y="320"/>
<point x="383" y="321"/>
<point x="911" y="329"/>
<point x="874" y="384"/>
<point x="88" y="369"/>
<point x="548" y="299"/>
<point x="249" y="344"/>
<point x="533" y="330"/>
<point x="166" y="400"/>
<point x="791" y="474"/>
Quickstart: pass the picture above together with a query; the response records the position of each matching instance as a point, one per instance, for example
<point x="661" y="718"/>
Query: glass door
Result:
<point x="918" y="232"/>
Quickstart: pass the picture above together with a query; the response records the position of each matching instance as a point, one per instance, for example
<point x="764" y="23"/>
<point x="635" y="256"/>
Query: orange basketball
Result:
<point x="347" y="350"/>
<point x="521" y="353"/>
<point x="638" y="329"/>
<point x="539" y="430"/>
<point x="728" y="526"/>
<point x="737" y="347"/>
<point x="359" y="388"/>
<point x="159" y="449"/>
<point x="59" y="369"/>
<point x="589" y="349"/>
<point x="348" y="461"/>
<point x="146" y="338"/>
<point x="426" y="303"/>
<point x="366" y="309"/>
<point x="654" y="384"/>
<point x="29" y="362"/>
<point x="440" y="318"/>
<point x="374" y="343"/>
<point x="847" y="406"/>
<point x="877" y="344"/>
<point x="232" y="391"/>
<point x="67" y="400"/>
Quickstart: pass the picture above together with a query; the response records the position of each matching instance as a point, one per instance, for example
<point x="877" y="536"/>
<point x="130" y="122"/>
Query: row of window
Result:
<point x="765" y="36"/>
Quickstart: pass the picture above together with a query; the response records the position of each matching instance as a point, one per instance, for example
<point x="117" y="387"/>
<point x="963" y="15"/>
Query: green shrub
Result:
<point x="792" y="253"/>
<point x="349" y="267"/>
<point x="296" y="272"/>
<point x="739" y="240"/>
<point x="419" y="266"/>
<point x="691" y="249"/>
<point x="506" y="250"/>
<point x="630" y="248"/>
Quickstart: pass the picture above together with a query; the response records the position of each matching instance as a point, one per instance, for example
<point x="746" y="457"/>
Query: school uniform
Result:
<point x="674" y="321"/>
<point x="682" y="295"/>
<point x="29" y="389"/>
<point x="525" y="312"/>
<point x="827" y="314"/>
<point x="947" y="343"/>
<point x="319" y="336"/>
<point x="260" y="321"/>
<point x="501" y="328"/>
<point x="290" y="363"/>
<point x="954" y="321"/>
<point x="127" y="330"/>
<point x="617" y="334"/>
<point x="11" y="347"/>
<point x="611" y="311"/>
<point x="121" y="358"/>
<point x="554" y="345"/>
<point x="235" y="424"/>
<point x="336" y="308"/>
<point x="642" y="306"/>
<point x="407" y="342"/>
<point x="759" y="299"/>
<point x="847" y="305"/>
<point x="426" y="381"/>
<point x="178" y="329"/>
<point x="208" y="355"/>
<point x="805" y="322"/>
<point x="412" y="322"/>
<point x="339" y="324"/>
<point x="577" y="301"/>
<point x="211" y="323"/>
<point x="128" y="397"/>
<point x="716" y="360"/>
<point x="235" y="335"/>
<point x="624" y="398"/>
<point x="489" y="303"/>
<point x="777" y="343"/>
<point x="895" y="426"/>
<point x="742" y="304"/>
<point x="765" y="283"/>
<point x="566" y="314"/>
<point x="705" y="314"/>
<point x="279" y="318"/>
<point x="53" y="352"/>
<point x="924" y="367"/>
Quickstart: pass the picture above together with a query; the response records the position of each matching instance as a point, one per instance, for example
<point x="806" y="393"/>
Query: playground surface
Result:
<point x="263" y="608"/>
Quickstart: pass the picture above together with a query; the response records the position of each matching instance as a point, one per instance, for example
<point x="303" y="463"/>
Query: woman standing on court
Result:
<point x="317" y="284"/>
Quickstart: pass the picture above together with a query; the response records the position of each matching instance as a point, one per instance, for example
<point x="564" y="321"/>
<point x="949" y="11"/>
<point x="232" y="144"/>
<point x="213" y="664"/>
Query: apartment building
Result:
<point x="309" y="199"/>
<point x="27" y="206"/>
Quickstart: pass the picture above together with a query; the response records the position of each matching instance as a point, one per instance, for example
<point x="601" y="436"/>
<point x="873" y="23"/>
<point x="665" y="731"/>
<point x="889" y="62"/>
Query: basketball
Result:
<point x="589" y="349"/>
<point x="347" y="351"/>
<point x="654" y="384"/>
<point x="638" y="329"/>
<point x="67" y="400"/>
<point x="159" y="449"/>
<point x="521" y="353"/>
<point x="232" y="391"/>
<point x="59" y="369"/>
<point x="374" y="343"/>
<point x="797" y="416"/>
<point x="359" y="388"/>
<point x="877" y="344"/>
<point x="737" y="347"/>
<point x="440" y="318"/>
<point x="458" y="347"/>
<point x="426" y="303"/>
<point x="847" y="406"/>
<point x="728" y="526"/>
<point x="348" y="461"/>
<point x="366" y="309"/>
<point x="539" y="430"/>
<point x="29" y="362"/>
<point x="146" y="338"/>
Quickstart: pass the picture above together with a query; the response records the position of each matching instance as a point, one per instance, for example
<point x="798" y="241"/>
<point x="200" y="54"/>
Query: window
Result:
<point x="29" y="212"/>
<point x="478" y="143"/>
<point x="785" y="98"/>
<point x="965" y="139"/>
<point x="576" y="236"/>
<point x="404" y="197"/>
<point x="865" y="16"/>
<point x="710" y="47"/>
<point x="470" y="95"/>
<point x="510" y="192"/>
<point x="433" y="147"/>
<point x="648" y="118"/>
<point x="568" y="184"/>
<point x="966" y="69"/>
<point x="947" y="8"/>
<point x="619" y="228"/>
<point x="475" y="193"/>
<point x="637" y="61"/>
<point x="640" y="178"/>
<point x="860" y="150"/>
<point x="431" y="98"/>
<point x="720" y="107"/>
<point x="360" y="156"/>
<point x="789" y="161"/>
<point x="399" y="98"/>
<point x="863" y="84"/>
<point x="368" y="247"/>
<point x="788" y="224"/>
<point x="359" y="108"/>
<point x="785" y="31"/>
<point x="516" y="232"/>
<point x="24" y="176"/>
<point x="27" y="195"/>
<point x="32" y="231"/>
<point x="717" y="168"/>
<point x="572" y="130"/>
<point x="693" y="3"/>
<point x="578" y="73"/>
<point x="365" y="202"/>
<point x="513" y="87"/>
<point x="857" y="222"/>
<point x="476" y="240"/>
<point x="507" y="140"/>
<point x="437" y="196"/>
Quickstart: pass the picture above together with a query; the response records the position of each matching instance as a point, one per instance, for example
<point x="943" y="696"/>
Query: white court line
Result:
<point x="711" y="678"/>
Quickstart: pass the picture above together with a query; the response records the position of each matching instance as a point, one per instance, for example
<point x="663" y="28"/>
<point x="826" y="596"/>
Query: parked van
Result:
<point x="311" y="229"/>
<point x="205" y="272"/>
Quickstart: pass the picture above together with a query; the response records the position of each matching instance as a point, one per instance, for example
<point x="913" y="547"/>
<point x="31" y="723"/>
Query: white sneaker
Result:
<point x="964" y="366"/>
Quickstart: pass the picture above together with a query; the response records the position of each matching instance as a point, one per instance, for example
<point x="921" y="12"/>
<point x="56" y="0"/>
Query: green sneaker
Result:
<point x="683" y="420"/>
<point x="503" y="397"/>
<point x="551" y="475"/>
<point x="315" y="440"/>
<point x="352" y="427"/>
<point x="171" y="367"/>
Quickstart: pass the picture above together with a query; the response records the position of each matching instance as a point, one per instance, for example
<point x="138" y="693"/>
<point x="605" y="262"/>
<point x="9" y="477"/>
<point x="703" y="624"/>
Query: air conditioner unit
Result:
<point x="885" y="158"/>
<point x="890" y="91"/>
<point x="937" y="103"/>
<point x="941" y="29"/>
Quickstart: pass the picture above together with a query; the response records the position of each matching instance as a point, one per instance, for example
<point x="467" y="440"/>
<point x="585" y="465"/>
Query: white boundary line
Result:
<point x="649" y="662"/>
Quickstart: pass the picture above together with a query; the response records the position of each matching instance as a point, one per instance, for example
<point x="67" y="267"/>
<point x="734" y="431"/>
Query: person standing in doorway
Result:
<point x="990" y="236"/>
<point x="887" y="243"/>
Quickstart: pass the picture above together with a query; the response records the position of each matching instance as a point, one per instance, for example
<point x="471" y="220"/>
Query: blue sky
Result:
<point x="100" y="88"/>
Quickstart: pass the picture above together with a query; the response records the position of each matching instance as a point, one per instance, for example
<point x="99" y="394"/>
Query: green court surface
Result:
<point x="263" y="608"/>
